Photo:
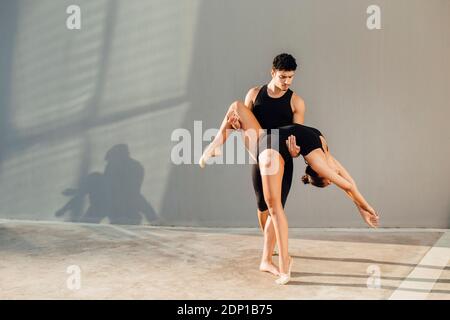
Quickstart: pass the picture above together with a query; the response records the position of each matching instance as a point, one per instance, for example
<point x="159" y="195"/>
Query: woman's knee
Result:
<point x="274" y="204"/>
<point x="269" y="162"/>
<point x="236" y="106"/>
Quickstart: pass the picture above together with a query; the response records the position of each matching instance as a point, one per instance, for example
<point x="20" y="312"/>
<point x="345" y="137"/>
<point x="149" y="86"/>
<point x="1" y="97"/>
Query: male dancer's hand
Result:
<point x="233" y="119"/>
<point x="294" y="149"/>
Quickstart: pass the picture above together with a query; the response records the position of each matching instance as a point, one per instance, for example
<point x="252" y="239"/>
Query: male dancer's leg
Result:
<point x="262" y="212"/>
<point x="262" y="218"/>
<point x="269" y="245"/>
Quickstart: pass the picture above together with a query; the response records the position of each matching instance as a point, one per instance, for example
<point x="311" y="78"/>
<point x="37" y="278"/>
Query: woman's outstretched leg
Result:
<point x="272" y="168"/>
<point x="248" y="123"/>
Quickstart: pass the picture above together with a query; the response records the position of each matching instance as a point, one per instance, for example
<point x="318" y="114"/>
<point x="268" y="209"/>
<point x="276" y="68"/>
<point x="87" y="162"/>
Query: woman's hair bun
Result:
<point x="305" y="179"/>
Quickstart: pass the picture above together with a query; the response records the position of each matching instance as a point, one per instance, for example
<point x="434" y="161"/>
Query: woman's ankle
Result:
<point x="286" y="264"/>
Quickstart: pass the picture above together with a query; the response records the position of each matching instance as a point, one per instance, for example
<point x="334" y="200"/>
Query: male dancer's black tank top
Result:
<point x="273" y="113"/>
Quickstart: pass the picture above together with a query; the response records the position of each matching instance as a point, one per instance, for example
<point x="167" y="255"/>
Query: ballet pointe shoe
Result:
<point x="202" y="161"/>
<point x="208" y="154"/>
<point x="285" y="277"/>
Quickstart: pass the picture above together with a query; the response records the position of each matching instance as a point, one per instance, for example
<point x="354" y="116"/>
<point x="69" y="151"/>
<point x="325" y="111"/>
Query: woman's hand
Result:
<point x="294" y="149"/>
<point x="370" y="217"/>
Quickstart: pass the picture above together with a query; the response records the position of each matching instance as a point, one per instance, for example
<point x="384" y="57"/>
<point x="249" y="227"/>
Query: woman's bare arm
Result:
<point x="322" y="168"/>
<point x="343" y="180"/>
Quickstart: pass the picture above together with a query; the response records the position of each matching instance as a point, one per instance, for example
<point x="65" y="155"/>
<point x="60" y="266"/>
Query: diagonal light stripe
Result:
<point x="438" y="256"/>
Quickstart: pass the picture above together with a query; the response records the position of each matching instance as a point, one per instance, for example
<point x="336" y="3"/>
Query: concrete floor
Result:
<point x="145" y="262"/>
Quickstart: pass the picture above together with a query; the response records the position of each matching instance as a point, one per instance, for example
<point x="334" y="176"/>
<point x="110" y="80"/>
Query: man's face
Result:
<point x="283" y="79"/>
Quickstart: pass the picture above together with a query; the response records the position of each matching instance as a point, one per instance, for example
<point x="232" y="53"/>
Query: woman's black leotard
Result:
<point x="273" y="113"/>
<point x="307" y="138"/>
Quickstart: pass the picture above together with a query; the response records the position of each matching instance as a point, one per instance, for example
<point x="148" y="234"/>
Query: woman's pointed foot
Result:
<point x="209" y="153"/>
<point x="202" y="161"/>
<point x="285" y="277"/>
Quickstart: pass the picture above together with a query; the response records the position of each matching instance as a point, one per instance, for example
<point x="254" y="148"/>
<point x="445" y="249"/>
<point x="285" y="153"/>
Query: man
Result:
<point x="274" y="105"/>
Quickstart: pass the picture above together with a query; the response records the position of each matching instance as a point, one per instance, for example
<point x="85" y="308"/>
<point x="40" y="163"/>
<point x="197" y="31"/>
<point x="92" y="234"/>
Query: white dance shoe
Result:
<point x="208" y="154"/>
<point x="285" y="277"/>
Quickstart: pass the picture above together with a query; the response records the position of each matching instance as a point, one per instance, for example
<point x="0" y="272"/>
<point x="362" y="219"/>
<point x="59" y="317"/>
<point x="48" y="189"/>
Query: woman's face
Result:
<point x="326" y="182"/>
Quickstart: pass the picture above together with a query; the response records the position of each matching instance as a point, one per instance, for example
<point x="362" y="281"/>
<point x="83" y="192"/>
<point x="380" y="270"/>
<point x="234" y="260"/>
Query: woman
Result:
<point x="322" y="170"/>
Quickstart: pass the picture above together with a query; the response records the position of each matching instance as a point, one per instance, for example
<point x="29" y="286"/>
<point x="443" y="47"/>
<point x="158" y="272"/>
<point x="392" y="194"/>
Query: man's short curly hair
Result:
<point x="284" y="62"/>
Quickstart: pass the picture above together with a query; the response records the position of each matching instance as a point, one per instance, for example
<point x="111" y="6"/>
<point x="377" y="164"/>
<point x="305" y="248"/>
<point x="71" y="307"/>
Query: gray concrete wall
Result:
<point x="74" y="101"/>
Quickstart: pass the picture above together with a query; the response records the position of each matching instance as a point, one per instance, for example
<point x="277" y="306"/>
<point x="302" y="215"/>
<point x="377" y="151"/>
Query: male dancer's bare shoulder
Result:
<point x="251" y="97"/>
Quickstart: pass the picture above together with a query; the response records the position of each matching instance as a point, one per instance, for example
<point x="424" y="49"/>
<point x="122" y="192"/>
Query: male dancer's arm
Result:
<point x="250" y="97"/>
<point x="298" y="106"/>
